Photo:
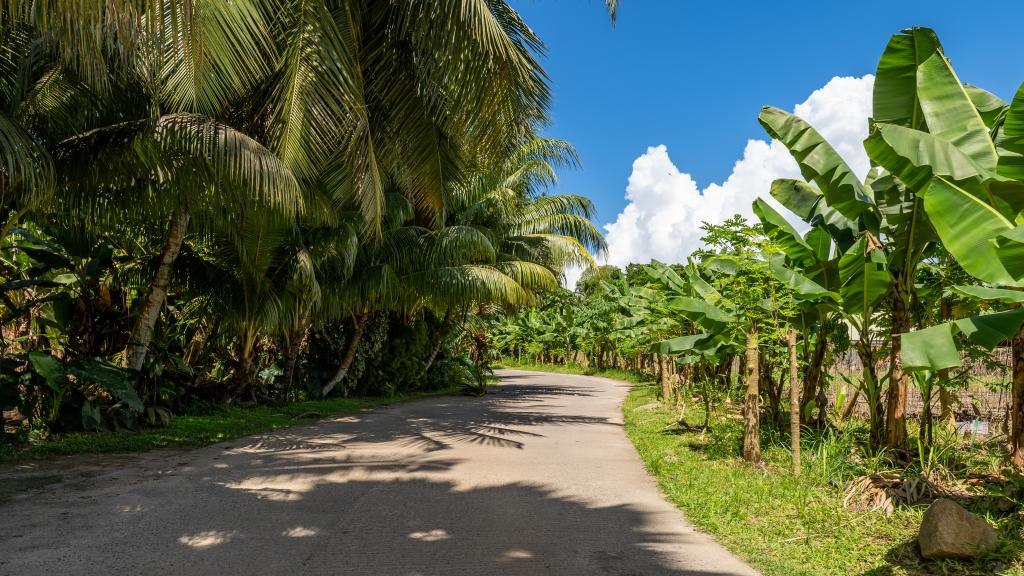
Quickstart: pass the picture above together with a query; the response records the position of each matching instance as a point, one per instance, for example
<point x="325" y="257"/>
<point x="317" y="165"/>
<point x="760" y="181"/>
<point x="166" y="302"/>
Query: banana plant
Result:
<point x="843" y="211"/>
<point x="915" y="92"/>
<point x="965" y="165"/>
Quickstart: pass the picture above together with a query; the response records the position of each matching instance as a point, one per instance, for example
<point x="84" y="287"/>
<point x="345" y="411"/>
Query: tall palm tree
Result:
<point x="340" y="92"/>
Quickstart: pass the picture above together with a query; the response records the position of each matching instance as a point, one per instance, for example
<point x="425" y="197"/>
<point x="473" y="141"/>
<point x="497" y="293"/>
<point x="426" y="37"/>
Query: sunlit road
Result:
<point x="535" y="478"/>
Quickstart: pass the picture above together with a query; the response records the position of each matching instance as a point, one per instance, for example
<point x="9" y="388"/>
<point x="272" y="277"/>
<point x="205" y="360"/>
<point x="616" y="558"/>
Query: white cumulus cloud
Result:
<point x="666" y="206"/>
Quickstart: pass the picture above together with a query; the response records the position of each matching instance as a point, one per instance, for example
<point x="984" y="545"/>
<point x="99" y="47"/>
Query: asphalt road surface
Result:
<point x="536" y="478"/>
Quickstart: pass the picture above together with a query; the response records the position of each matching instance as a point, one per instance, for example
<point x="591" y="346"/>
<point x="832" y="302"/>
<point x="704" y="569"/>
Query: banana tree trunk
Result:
<point x="813" y="380"/>
<point x="872" y="395"/>
<point x="1016" y="416"/>
<point x="896" y="399"/>
<point x="751" y="416"/>
<point x="350" y="354"/>
<point x="946" y="418"/>
<point x="794" y="402"/>
<point x="149" y="313"/>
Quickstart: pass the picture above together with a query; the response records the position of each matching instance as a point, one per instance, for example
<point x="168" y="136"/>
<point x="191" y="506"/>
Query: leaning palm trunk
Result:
<point x="794" y="402"/>
<point x="751" y="417"/>
<point x="350" y="354"/>
<point x="142" y="333"/>
<point x="438" y="344"/>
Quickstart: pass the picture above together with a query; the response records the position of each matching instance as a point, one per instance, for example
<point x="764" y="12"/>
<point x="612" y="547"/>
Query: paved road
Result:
<point x="536" y="478"/>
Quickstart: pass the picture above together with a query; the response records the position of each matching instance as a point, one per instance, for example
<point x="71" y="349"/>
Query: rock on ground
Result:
<point x="949" y="531"/>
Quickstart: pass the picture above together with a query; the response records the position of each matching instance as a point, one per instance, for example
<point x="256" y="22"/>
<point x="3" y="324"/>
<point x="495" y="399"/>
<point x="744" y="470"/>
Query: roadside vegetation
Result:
<point x="258" y="207"/>
<point x="915" y="271"/>
<point x="784" y="524"/>
<point x="201" y="426"/>
<point x="216" y="221"/>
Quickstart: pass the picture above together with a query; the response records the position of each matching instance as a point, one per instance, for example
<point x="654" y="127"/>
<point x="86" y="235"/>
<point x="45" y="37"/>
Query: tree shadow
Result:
<point x="501" y="418"/>
<point x="369" y="493"/>
<point x="398" y="527"/>
<point x="904" y="557"/>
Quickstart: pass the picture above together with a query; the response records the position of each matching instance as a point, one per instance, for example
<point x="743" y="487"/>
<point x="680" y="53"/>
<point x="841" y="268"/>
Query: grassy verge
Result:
<point x="624" y="375"/>
<point x="199" y="429"/>
<point x="781" y="524"/>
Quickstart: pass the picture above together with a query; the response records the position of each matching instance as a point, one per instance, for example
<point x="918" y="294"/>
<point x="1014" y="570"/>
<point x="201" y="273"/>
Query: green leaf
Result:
<point x="915" y="157"/>
<point x="968" y="226"/>
<point x="990" y="330"/>
<point x="1010" y="249"/>
<point x="950" y="114"/>
<point x="820" y="242"/>
<point x="803" y="287"/>
<point x="798" y="196"/>
<point x="865" y="278"/>
<point x="777" y="228"/>
<point x="663" y="273"/>
<point x="986" y="293"/>
<point x="92" y="419"/>
<point x="49" y="368"/>
<point x="698" y="310"/>
<point x="929" y="349"/>
<point x="699" y="285"/>
<point x="935" y="348"/>
<point x="989" y="106"/>
<point x="808" y="203"/>
<point x="114" y="379"/>
<point x="894" y="96"/>
<point x="1011" y="139"/>
<point x="818" y="162"/>
<point x="689" y="343"/>
<point x="723" y="265"/>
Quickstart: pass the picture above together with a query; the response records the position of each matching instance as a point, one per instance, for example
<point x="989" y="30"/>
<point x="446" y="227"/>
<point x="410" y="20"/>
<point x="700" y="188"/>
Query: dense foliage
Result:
<point x="914" y="268"/>
<point x="264" y="201"/>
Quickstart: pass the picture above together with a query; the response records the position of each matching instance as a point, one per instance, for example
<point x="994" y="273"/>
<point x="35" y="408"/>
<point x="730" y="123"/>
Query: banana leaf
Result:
<point x="779" y="229"/>
<point x="818" y="161"/>
<point x="865" y="278"/>
<point x="935" y="348"/>
<point x="895" y="91"/>
<point x="950" y="114"/>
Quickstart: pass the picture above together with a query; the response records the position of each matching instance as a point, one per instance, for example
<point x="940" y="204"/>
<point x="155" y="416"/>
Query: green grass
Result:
<point x="198" y="429"/>
<point x="783" y="525"/>
<point x="617" y="374"/>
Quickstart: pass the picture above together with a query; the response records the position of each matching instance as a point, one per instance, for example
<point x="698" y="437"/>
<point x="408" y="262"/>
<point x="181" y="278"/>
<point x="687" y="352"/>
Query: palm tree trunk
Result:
<point x="293" y="345"/>
<point x="751" y="416"/>
<point x="142" y="333"/>
<point x="245" y="352"/>
<point x="350" y="353"/>
<point x="1016" y="416"/>
<point x="896" y="399"/>
<point x="794" y="402"/>
<point x="438" y="344"/>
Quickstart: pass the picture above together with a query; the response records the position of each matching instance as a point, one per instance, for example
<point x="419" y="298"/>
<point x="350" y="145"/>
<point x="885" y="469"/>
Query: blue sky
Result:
<point x="693" y="75"/>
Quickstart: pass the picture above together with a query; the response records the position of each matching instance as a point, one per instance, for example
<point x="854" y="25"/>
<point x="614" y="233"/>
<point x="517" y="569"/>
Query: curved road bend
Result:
<point x="535" y="478"/>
